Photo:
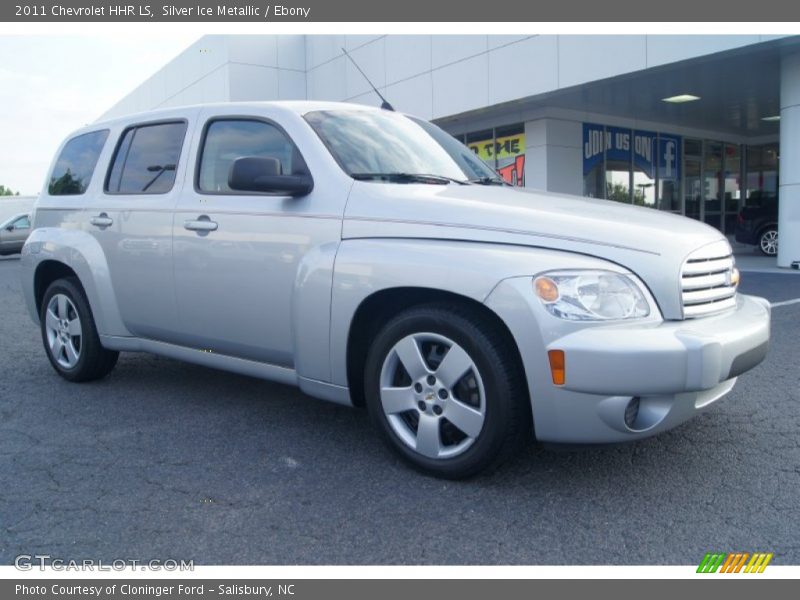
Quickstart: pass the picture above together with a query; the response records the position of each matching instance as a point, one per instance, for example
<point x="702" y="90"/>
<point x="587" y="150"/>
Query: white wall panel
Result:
<point x="406" y="56"/>
<point x="448" y="49"/>
<point x="371" y="59"/>
<point x="291" y="85"/>
<point x="412" y="96"/>
<point x="524" y="68"/>
<point x="250" y="82"/>
<point x="253" y="49"/>
<point x="585" y="58"/>
<point x="461" y="86"/>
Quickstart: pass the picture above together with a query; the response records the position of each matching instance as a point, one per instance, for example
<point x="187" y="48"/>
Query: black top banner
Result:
<point x="198" y="11"/>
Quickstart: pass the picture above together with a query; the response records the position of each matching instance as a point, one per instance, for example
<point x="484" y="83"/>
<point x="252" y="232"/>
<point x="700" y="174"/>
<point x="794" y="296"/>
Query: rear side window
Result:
<point x="228" y="139"/>
<point x="146" y="159"/>
<point x="76" y="163"/>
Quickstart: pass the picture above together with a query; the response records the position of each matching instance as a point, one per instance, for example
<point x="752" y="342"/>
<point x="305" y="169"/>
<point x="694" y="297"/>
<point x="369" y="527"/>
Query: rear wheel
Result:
<point x="70" y="336"/>
<point x="446" y="390"/>
<point x="768" y="241"/>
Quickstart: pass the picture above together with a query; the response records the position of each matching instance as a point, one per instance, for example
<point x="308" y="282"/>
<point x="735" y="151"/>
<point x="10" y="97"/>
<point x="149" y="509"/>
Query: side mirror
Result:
<point x="10" y="227"/>
<point x="261" y="174"/>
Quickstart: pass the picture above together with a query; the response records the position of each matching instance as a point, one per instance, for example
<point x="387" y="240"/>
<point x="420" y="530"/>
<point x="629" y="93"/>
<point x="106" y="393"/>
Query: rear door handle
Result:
<point x="101" y="220"/>
<point x="202" y="224"/>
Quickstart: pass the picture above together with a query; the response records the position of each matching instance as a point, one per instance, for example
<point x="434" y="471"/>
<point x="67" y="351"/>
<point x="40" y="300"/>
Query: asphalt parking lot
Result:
<point x="168" y="460"/>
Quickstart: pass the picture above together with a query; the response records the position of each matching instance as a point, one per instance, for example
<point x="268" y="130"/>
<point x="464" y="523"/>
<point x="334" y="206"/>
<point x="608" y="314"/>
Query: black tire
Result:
<point x="765" y="237"/>
<point x="94" y="361"/>
<point x="507" y="422"/>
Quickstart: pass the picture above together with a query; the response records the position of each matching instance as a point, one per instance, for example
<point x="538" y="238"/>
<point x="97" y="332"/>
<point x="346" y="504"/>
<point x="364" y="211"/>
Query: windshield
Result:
<point x="470" y="163"/>
<point x="378" y="144"/>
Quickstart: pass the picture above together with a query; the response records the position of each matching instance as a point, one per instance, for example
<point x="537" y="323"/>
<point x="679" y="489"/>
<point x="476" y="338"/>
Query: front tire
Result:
<point x="70" y="336"/>
<point x="446" y="390"/>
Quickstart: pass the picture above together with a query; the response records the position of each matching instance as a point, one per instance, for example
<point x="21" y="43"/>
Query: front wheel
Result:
<point x="446" y="390"/>
<point x="768" y="241"/>
<point x="69" y="334"/>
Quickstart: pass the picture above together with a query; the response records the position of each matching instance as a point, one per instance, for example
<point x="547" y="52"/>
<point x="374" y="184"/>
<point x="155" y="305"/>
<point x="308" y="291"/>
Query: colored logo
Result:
<point x="734" y="562"/>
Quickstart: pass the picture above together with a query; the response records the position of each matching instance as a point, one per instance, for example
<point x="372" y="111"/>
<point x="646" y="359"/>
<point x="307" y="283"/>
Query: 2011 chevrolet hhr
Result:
<point x="371" y="259"/>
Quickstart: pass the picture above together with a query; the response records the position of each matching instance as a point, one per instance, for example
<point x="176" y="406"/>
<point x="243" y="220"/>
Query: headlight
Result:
<point x="590" y="295"/>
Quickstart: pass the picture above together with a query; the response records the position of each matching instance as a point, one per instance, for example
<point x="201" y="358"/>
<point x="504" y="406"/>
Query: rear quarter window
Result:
<point x="75" y="165"/>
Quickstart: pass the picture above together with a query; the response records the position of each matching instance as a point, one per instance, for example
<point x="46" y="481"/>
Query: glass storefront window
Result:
<point x="644" y="170"/>
<point x="510" y="153"/>
<point x="692" y="187"/>
<point x="712" y="183"/>
<point x="594" y="144"/>
<point x="668" y="161"/>
<point x="503" y="149"/>
<point x="762" y="175"/>
<point x="618" y="164"/>
<point x="731" y="186"/>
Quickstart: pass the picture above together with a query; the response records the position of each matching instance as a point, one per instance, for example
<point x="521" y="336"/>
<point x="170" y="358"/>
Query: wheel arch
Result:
<point x="53" y="252"/>
<point x="377" y="308"/>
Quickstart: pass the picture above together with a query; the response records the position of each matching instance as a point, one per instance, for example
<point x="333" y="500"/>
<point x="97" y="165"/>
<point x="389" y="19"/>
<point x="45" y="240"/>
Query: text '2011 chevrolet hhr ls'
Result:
<point x="371" y="259"/>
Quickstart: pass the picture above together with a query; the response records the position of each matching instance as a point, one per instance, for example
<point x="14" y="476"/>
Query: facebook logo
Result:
<point x="669" y="157"/>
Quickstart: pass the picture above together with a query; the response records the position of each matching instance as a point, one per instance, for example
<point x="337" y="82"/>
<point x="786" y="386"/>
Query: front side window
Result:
<point x="75" y="165"/>
<point x="146" y="159"/>
<point x="22" y="223"/>
<point x="369" y="144"/>
<point x="229" y="139"/>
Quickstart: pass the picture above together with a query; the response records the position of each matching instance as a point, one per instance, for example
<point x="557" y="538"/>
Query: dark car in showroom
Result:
<point x="757" y="223"/>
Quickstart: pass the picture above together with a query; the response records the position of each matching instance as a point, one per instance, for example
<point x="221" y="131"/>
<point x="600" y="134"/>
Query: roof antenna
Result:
<point x="384" y="104"/>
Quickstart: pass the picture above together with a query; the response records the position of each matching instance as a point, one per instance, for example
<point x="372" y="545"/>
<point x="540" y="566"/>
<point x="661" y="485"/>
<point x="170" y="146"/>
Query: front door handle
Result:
<point x="202" y="224"/>
<point x="102" y="220"/>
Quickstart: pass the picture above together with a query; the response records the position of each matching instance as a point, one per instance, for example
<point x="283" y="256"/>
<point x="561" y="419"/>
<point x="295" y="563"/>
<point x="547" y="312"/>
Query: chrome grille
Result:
<point x="707" y="285"/>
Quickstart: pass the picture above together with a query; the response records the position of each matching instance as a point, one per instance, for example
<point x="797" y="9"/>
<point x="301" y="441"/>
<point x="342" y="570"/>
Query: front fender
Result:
<point x="367" y="266"/>
<point x="83" y="254"/>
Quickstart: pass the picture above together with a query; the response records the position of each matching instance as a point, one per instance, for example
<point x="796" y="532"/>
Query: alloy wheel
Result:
<point x="432" y="395"/>
<point x="64" y="331"/>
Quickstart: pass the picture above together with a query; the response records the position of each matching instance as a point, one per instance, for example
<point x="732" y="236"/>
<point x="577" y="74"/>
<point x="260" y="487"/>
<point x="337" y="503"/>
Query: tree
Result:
<point x="4" y="191"/>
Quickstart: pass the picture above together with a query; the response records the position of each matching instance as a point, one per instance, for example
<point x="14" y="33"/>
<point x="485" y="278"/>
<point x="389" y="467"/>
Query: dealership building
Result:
<point x="696" y="125"/>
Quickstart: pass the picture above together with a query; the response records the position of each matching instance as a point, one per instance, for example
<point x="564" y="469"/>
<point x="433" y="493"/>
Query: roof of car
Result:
<point x="300" y="107"/>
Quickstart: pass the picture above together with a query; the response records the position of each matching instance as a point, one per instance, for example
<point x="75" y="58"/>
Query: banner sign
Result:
<point x="502" y="147"/>
<point x="651" y="151"/>
<point x="669" y="157"/>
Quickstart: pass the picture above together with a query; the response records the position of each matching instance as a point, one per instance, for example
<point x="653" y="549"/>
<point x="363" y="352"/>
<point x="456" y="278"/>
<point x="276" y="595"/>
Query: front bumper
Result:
<point x="661" y="372"/>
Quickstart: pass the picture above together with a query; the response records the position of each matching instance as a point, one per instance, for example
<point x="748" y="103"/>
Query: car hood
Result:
<point x="650" y="243"/>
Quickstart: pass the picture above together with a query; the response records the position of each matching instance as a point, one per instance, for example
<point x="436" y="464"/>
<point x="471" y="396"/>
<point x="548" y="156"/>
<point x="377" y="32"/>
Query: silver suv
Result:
<point x="372" y="260"/>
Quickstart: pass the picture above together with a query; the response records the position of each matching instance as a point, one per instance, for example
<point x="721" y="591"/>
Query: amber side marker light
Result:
<point x="546" y="289"/>
<point x="557" y="366"/>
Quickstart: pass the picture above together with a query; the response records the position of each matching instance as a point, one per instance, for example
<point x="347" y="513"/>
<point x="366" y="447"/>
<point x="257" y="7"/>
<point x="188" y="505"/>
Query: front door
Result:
<point x="237" y="254"/>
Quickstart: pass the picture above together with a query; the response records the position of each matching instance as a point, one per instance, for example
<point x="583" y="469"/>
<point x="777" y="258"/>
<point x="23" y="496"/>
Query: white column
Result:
<point x="553" y="156"/>
<point x="789" y="192"/>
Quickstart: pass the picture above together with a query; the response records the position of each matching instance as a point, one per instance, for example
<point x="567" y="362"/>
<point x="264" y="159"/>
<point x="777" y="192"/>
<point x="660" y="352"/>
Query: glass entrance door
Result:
<point x="692" y="187"/>
<point x="712" y="184"/>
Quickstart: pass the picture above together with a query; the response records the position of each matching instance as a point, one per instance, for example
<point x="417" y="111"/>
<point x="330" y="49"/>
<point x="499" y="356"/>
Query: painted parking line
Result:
<point x="785" y="303"/>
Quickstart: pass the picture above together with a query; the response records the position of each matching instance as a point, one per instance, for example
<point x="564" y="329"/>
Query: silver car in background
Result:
<point x="372" y="260"/>
<point x="13" y="233"/>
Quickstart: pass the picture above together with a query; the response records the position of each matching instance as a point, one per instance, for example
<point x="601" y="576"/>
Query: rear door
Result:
<point x="132" y="220"/>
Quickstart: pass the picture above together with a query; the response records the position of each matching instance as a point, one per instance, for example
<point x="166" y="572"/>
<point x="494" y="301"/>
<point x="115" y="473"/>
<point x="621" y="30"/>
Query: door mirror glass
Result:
<point x="263" y="174"/>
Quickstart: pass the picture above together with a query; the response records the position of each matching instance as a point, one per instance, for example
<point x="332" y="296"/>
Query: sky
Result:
<point x="52" y="84"/>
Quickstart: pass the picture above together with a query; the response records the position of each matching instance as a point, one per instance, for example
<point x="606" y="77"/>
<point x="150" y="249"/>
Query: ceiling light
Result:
<point x="772" y="118"/>
<point x="681" y="98"/>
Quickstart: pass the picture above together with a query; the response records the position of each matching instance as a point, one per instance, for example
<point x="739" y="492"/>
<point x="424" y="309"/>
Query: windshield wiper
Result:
<point x="488" y="181"/>
<point x="409" y="178"/>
